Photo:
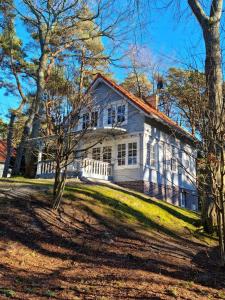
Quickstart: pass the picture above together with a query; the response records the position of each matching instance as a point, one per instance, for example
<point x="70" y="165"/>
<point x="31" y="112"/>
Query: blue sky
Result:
<point x="169" y="40"/>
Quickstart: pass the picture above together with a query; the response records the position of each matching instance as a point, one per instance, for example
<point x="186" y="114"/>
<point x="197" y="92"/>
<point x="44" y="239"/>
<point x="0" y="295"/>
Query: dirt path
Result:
<point x="74" y="254"/>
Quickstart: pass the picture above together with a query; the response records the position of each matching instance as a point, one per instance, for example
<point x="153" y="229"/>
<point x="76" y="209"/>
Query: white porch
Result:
<point x="87" y="167"/>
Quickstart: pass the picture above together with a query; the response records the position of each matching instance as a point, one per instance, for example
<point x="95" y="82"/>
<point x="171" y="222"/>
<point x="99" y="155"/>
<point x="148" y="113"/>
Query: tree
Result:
<point x="64" y="105"/>
<point x="184" y="95"/>
<point x="138" y="84"/>
<point x="60" y="31"/>
<point x="214" y="122"/>
<point x="3" y="130"/>
<point x="14" y="64"/>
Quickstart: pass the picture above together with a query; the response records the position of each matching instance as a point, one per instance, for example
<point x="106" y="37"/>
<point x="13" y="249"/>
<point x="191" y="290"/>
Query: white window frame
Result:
<point x="152" y="154"/>
<point x="121" y="114"/>
<point x="114" y="106"/>
<point x="86" y="122"/>
<point x="112" y="117"/>
<point x="91" y="118"/>
<point x="124" y="158"/>
<point x="107" y="153"/>
<point x="131" y="150"/>
<point x="173" y="160"/>
<point x="183" y="199"/>
<point x="96" y="151"/>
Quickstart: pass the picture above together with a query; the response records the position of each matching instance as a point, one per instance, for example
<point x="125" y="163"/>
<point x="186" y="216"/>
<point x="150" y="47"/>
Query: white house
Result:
<point x="142" y="148"/>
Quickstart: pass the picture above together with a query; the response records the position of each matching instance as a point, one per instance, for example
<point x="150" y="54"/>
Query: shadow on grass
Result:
<point x="170" y="208"/>
<point x="123" y="212"/>
<point x="74" y="238"/>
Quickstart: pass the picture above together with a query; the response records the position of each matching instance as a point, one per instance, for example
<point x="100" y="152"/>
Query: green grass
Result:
<point x="130" y="208"/>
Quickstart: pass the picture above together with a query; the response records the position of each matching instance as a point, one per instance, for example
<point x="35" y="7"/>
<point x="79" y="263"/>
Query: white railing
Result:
<point x="87" y="167"/>
<point x="96" y="168"/>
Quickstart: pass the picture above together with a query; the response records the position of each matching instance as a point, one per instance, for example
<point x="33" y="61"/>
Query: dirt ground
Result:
<point x="75" y="254"/>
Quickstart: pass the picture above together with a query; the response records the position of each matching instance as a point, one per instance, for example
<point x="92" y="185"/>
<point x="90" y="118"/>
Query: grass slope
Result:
<point x="105" y="242"/>
<point x="128" y="207"/>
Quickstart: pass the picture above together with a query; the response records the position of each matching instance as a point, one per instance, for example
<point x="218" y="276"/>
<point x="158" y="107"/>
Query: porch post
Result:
<point x="40" y="149"/>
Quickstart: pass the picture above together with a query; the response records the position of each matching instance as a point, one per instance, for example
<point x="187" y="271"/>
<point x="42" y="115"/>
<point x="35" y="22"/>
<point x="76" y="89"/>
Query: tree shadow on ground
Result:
<point x="80" y="235"/>
<point x="165" y="206"/>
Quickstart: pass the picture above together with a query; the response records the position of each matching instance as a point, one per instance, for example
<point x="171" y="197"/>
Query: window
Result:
<point x="183" y="199"/>
<point x="148" y="153"/>
<point x="132" y="153"/>
<point x="107" y="154"/>
<point x="121" y="156"/>
<point x="85" y="120"/>
<point x="111" y="115"/>
<point x="151" y="155"/>
<point x="94" y="119"/>
<point x="167" y="157"/>
<point x="121" y="113"/>
<point x="173" y="160"/>
<point x="96" y="153"/>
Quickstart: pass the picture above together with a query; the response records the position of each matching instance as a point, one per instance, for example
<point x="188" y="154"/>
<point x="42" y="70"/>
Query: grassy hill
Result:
<point x="105" y="242"/>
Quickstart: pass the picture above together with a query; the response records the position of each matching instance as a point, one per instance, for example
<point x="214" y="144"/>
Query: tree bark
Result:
<point x="213" y="138"/>
<point x="34" y="118"/>
<point x="32" y="148"/>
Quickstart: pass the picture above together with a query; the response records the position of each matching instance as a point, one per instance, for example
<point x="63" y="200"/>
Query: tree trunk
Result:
<point x="9" y="144"/>
<point x="32" y="149"/>
<point x="59" y="186"/>
<point x="213" y="138"/>
<point x="31" y="146"/>
<point x="22" y="145"/>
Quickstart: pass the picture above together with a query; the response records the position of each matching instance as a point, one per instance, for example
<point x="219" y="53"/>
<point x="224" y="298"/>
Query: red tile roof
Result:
<point x="147" y="108"/>
<point x="2" y="151"/>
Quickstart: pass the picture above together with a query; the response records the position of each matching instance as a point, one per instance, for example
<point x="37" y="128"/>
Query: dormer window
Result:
<point x="94" y="119"/>
<point x="86" y="121"/>
<point x="111" y="115"/>
<point x="121" y="113"/>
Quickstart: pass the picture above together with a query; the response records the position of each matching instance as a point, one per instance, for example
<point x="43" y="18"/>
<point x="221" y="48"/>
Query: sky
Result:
<point x="170" y="40"/>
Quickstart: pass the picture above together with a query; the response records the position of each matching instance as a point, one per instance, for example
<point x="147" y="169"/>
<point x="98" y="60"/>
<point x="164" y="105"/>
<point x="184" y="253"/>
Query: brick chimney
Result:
<point x="153" y="100"/>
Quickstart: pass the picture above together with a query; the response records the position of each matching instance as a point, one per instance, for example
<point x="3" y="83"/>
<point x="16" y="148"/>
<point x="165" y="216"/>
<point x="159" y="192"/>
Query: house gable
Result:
<point x="105" y="96"/>
<point x="159" y="118"/>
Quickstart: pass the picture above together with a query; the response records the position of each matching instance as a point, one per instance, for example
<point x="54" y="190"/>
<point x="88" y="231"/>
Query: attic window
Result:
<point x="121" y="113"/>
<point x="86" y="120"/>
<point x="94" y="119"/>
<point x="111" y="115"/>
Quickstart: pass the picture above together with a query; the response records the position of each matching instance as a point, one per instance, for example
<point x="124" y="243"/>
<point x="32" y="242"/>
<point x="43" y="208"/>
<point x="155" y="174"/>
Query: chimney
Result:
<point x="152" y="100"/>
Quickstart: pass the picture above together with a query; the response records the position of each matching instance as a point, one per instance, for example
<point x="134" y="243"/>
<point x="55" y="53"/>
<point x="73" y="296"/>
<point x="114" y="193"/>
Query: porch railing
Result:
<point x="86" y="167"/>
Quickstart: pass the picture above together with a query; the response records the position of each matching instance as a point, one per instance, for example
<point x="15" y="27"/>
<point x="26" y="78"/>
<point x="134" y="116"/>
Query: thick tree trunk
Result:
<point x="28" y="128"/>
<point x="9" y="144"/>
<point x="32" y="149"/>
<point x="213" y="135"/>
<point x="215" y="123"/>
<point x="59" y="186"/>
